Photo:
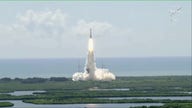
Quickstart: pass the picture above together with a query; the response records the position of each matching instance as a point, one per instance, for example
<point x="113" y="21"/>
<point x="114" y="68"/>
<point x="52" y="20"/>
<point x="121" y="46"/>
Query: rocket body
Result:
<point x="90" y="63"/>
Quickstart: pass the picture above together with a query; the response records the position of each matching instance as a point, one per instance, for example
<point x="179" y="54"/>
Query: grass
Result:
<point x="6" y="104"/>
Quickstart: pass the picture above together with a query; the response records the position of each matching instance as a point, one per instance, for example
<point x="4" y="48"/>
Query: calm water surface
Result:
<point x="24" y="68"/>
<point x="20" y="104"/>
<point x="154" y="98"/>
<point x="20" y="93"/>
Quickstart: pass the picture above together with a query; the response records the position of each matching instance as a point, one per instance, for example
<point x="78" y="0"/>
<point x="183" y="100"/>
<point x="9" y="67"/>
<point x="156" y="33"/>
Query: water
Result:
<point x="20" y="104"/>
<point x="21" y="93"/>
<point x="45" y="68"/>
<point x="154" y="98"/>
<point x="116" y="89"/>
<point x="186" y="92"/>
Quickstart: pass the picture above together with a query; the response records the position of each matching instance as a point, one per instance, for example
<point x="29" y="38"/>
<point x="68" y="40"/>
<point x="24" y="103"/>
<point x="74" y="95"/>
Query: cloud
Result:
<point x="44" y="23"/>
<point x="56" y="24"/>
<point x="42" y="29"/>
<point x="53" y="29"/>
<point x="49" y="18"/>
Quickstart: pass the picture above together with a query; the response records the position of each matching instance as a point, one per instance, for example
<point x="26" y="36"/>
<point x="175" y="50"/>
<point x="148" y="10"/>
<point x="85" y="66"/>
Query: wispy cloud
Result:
<point x="53" y="24"/>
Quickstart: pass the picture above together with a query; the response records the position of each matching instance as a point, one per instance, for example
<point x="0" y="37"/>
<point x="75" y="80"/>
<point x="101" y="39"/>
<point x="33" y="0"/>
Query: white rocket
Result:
<point x="91" y="72"/>
<point x="90" y="63"/>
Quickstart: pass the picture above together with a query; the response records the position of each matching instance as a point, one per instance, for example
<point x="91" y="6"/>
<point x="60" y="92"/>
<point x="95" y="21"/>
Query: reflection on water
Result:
<point x="120" y="105"/>
<point x="21" y="93"/>
<point x="116" y="89"/>
<point x="92" y="106"/>
<point x="187" y="92"/>
<point x="20" y="104"/>
<point x="154" y="98"/>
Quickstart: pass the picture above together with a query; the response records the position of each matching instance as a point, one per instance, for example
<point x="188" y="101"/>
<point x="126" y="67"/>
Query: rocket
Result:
<point x="90" y="33"/>
<point x="90" y="43"/>
<point x="90" y="63"/>
<point x="91" y="72"/>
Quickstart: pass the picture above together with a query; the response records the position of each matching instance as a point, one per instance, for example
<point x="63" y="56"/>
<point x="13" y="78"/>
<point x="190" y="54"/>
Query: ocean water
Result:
<point x="65" y="67"/>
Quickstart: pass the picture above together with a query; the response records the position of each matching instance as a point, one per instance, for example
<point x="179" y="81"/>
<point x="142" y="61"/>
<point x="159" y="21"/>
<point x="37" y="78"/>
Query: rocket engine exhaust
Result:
<point x="91" y="72"/>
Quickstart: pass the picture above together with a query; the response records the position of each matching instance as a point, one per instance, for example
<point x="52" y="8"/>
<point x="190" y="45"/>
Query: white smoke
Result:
<point x="91" y="72"/>
<point x="99" y="75"/>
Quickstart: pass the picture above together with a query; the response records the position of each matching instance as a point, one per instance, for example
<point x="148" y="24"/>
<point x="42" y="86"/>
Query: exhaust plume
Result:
<point x="91" y="72"/>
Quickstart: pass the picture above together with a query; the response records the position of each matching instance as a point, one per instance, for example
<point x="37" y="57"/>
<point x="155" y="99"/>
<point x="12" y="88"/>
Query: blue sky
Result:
<point x="120" y="29"/>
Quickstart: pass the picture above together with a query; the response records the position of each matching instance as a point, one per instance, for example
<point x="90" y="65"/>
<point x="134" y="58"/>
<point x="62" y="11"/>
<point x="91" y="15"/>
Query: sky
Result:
<point x="120" y="29"/>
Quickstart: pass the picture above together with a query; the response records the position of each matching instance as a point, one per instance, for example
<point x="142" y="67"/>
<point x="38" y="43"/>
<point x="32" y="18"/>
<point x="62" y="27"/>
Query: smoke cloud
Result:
<point x="99" y="75"/>
<point x="91" y="72"/>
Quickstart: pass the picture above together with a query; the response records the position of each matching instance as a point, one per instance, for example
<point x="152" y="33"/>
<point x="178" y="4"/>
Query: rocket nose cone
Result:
<point x="90" y="33"/>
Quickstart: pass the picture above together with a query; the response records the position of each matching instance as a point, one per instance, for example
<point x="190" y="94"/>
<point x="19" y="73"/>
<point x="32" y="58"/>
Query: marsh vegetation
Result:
<point x="65" y="91"/>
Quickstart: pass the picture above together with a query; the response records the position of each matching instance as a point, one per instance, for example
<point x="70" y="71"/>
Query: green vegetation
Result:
<point x="95" y="100"/>
<point x="154" y="83"/>
<point x="63" y="90"/>
<point x="6" y="104"/>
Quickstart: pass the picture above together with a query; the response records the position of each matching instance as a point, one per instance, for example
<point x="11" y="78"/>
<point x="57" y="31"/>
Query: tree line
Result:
<point x="34" y="79"/>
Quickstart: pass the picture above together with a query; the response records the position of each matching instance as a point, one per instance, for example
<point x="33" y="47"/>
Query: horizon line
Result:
<point x="98" y="57"/>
